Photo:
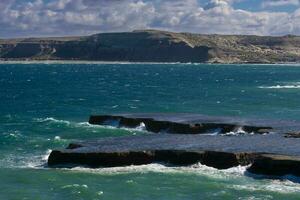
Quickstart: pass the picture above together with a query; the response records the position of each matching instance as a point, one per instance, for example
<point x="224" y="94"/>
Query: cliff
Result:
<point x="156" y="46"/>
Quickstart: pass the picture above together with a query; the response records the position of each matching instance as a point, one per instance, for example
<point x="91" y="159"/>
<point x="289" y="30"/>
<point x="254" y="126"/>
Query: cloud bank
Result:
<point x="81" y="17"/>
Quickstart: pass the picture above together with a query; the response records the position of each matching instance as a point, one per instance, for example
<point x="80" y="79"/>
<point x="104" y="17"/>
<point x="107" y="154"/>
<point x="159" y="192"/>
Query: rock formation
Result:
<point x="184" y="140"/>
<point x="156" y="46"/>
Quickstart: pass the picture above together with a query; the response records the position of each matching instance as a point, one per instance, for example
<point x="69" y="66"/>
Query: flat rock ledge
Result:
<point x="156" y="125"/>
<point x="267" y="154"/>
<point x="264" y="164"/>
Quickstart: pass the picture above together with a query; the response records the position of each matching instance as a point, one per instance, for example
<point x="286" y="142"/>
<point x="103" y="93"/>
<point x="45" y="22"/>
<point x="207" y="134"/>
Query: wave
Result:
<point x="86" y="125"/>
<point x="46" y="155"/>
<point x="278" y="186"/>
<point x="74" y="186"/>
<point x="12" y="135"/>
<point x="57" y="138"/>
<point x="239" y="131"/>
<point x="162" y="168"/>
<point x="25" y="161"/>
<point x="282" y="185"/>
<point x="139" y="128"/>
<point x="294" y="86"/>
<point x="51" y="119"/>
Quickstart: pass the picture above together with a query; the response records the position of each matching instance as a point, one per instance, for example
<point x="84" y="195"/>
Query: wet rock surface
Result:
<point x="292" y="135"/>
<point x="276" y="165"/>
<point x="269" y="154"/>
<point x="157" y="125"/>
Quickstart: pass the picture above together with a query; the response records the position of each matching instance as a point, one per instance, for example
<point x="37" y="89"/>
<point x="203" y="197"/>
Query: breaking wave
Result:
<point x="52" y="120"/>
<point x="283" y="185"/>
<point x="113" y="125"/>
<point x="239" y="178"/>
<point x="280" y="186"/>
<point x="163" y="168"/>
<point x="290" y="86"/>
<point x="239" y="131"/>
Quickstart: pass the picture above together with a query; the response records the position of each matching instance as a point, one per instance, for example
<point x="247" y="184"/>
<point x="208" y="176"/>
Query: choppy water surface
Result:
<point x="46" y="106"/>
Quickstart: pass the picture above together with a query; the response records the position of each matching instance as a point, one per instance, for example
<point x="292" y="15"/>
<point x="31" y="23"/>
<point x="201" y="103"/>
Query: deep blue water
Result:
<point x="46" y="106"/>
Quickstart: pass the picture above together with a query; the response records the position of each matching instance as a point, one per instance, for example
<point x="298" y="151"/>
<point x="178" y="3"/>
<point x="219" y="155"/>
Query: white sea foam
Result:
<point x="25" y="161"/>
<point x="74" y="186"/>
<point x="35" y="162"/>
<point x="57" y="138"/>
<point x="282" y="185"/>
<point x="141" y="127"/>
<point x="238" y="131"/>
<point x="46" y="155"/>
<point x="112" y="125"/>
<point x="69" y="123"/>
<point x="87" y="125"/>
<point x="287" y="86"/>
<point x="13" y="134"/>
<point x="53" y="120"/>
<point x="279" y="186"/>
<point x="161" y="168"/>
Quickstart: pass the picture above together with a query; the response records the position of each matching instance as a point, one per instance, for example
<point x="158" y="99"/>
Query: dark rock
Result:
<point x="178" y="149"/>
<point x="103" y="159"/>
<point x="74" y="146"/>
<point x="292" y="135"/>
<point x="219" y="160"/>
<point x="265" y="164"/>
<point x="276" y="165"/>
<point x="269" y="154"/>
<point x="154" y="125"/>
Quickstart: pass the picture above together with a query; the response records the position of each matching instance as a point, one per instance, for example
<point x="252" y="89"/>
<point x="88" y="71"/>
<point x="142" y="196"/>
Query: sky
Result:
<point x="33" y="18"/>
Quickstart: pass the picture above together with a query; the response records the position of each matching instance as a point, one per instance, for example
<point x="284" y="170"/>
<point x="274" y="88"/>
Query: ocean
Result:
<point x="46" y="106"/>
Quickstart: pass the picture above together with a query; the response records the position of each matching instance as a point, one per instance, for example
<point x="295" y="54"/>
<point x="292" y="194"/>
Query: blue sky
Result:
<point x="260" y="5"/>
<point x="31" y="18"/>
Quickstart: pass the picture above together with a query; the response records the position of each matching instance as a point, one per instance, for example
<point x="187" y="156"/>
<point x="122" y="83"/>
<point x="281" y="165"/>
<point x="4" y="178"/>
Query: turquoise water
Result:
<point x="46" y="106"/>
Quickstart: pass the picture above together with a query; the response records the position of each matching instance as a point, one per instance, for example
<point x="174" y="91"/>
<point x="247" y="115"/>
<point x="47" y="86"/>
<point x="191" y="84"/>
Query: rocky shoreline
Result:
<point x="185" y="140"/>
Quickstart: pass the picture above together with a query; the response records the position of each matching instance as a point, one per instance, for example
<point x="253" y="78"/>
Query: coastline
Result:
<point x="156" y="46"/>
<point x="138" y="63"/>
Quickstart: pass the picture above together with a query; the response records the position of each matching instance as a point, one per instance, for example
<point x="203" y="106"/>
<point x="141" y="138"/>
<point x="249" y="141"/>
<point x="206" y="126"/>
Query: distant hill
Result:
<point x="156" y="46"/>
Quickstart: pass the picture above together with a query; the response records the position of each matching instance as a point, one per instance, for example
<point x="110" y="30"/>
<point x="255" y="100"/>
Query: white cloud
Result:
<point x="217" y="3"/>
<point x="275" y="3"/>
<point x="77" y="17"/>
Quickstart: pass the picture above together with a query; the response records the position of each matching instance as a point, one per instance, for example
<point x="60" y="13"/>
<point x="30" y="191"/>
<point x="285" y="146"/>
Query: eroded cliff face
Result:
<point x="135" y="46"/>
<point x="155" y="46"/>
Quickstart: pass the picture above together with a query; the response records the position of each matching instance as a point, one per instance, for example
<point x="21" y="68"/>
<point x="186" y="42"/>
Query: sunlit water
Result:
<point x="46" y="106"/>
